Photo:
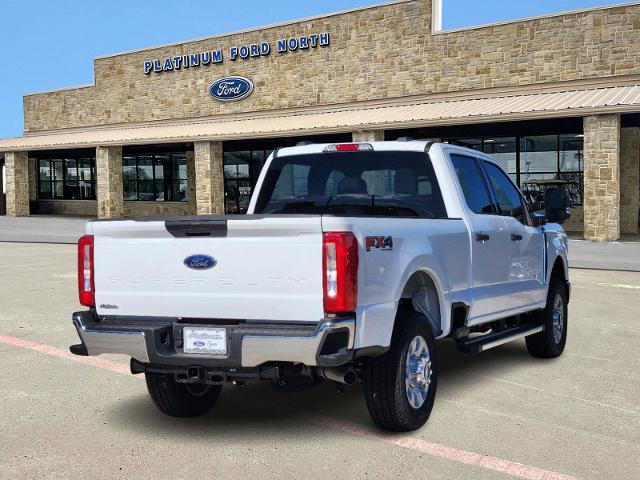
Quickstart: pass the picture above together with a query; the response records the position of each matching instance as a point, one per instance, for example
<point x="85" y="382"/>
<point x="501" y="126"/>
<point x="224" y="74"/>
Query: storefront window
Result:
<point x="538" y="154"/>
<point x="155" y="177"/>
<point x="66" y="178"/>
<point x="475" y="143"/>
<point x="505" y="151"/>
<point x="241" y="171"/>
<point x="542" y="157"/>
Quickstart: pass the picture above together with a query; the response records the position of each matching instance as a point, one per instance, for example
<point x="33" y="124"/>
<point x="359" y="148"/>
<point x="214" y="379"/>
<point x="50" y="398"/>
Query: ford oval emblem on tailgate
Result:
<point x="200" y="262"/>
<point x="229" y="89"/>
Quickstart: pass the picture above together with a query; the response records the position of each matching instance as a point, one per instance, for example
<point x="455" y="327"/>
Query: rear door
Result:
<point x="526" y="242"/>
<point x="490" y="242"/>
<point x="244" y="268"/>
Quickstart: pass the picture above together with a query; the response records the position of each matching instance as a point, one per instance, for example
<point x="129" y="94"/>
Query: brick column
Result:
<point x="33" y="179"/>
<point x="209" y="178"/>
<point x="17" y="171"/>
<point x="109" y="181"/>
<point x="602" y="177"/>
<point x="191" y="182"/>
<point x="368" y="136"/>
<point x="629" y="179"/>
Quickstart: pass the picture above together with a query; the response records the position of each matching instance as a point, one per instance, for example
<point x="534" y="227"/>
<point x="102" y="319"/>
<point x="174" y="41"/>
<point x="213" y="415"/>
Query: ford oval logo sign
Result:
<point x="200" y="262"/>
<point x="230" y="89"/>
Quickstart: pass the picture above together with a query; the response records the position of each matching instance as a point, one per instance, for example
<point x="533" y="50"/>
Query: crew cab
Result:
<point x="352" y="262"/>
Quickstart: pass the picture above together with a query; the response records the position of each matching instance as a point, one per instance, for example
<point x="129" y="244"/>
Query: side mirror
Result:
<point x="538" y="220"/>
<point x="537" y="213"/>
<point x="558" y="215"/>
<point x="557" y="205"/>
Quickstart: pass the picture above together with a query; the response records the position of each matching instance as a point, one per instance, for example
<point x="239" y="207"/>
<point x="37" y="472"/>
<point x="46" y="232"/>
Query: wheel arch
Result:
<point x="423" y="293"/>
<point x="560" y="270"/>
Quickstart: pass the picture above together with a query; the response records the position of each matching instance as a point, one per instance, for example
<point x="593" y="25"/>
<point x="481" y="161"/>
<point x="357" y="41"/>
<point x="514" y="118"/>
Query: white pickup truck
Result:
<point x="353" y="260"/>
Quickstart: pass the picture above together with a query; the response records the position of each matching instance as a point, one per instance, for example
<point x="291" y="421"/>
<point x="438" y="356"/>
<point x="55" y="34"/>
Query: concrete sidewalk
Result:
<point x="42" y="229"/>
<point x="624" y="255"/>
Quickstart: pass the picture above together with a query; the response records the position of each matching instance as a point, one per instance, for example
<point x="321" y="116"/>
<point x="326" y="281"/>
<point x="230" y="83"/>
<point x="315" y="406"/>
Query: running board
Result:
<point x="491" y="340"/>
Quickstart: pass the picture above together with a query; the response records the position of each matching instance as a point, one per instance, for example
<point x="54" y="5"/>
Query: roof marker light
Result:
<point x="348" y="147"/>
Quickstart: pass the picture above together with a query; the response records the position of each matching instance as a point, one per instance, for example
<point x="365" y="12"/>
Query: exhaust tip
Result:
<point x="346" y="376"/>
<point x="350" y="377"/>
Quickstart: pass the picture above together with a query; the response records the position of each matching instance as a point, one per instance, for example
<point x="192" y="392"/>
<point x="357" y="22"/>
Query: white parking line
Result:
<point x="619" y="285"/>
<point x="405" y="441"/>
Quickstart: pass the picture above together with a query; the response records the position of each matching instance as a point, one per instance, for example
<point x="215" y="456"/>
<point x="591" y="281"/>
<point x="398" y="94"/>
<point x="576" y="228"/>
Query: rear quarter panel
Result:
<point x="439" y="248"/>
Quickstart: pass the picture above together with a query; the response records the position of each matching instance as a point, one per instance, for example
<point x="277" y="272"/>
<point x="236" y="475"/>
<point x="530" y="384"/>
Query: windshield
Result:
<point x="400" y="184"/>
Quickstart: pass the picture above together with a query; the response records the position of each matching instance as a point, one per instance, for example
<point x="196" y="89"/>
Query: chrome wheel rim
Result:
<point x="417" y="372"/>
<point x="558" y="319"/>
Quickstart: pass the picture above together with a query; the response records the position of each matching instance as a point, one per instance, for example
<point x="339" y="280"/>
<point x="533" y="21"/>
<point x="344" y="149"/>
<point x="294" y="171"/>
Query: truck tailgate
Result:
<point x="266" y="268"/>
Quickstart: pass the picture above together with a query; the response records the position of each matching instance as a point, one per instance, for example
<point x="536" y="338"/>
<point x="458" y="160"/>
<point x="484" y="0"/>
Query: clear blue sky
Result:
<point x="48" y="44"/>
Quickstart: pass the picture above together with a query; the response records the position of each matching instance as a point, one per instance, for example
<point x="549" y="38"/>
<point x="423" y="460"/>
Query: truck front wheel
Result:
<point x="181" y="399"/>
<point x="550" y="343"/>
<point x="400" y="386"/>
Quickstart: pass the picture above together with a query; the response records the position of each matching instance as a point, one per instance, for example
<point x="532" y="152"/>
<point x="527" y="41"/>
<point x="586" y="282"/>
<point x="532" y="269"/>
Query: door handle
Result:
<point x="516" y="237"/>
<point x="482" y="237"/>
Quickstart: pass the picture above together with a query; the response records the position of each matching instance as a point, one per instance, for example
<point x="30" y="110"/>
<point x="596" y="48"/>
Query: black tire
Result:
<point x="181" y="399"/>
<point x="550" y="343"/>
<point x="384" y="378"/>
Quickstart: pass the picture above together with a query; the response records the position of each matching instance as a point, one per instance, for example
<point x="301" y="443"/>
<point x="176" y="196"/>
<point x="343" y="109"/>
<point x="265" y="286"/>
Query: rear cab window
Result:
<point x="364" y="183"/>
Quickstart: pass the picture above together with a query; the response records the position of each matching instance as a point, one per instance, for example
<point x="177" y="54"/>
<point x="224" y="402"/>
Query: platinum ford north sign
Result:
<point x="243" y="52"/>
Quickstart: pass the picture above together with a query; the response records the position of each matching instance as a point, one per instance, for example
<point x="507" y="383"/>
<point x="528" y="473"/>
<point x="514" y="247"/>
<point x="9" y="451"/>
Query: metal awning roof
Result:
<point x="576" y="102"/>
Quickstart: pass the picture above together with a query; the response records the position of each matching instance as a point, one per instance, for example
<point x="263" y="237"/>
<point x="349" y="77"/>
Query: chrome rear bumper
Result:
<point x="159" y="341"/>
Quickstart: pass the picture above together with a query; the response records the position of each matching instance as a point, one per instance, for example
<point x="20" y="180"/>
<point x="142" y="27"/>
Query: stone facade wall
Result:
<point x="368" y="136"/>
<point x="575" y="223"/>
<point x="33" y="179"/>
<point x="629" y="179"/>
<point x="109" y="182"/>
<point x="17" y="173"/>
<point x="209" y="178"/>
<point x="602" y="177"/>
<point x="89" y="208"/>
<point x="158" y="209"/>
<point x="80" y="208"/>
<point x="375" y="53"/>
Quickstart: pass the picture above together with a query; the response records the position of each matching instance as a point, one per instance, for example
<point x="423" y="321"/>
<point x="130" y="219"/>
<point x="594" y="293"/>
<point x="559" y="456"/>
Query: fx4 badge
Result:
<point x="381" y="243"/>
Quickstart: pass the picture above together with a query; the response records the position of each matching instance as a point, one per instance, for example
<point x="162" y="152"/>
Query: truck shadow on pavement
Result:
<point x="258" y="408"/>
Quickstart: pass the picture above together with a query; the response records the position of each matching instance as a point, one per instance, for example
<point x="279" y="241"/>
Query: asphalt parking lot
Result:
<point x="500" y="414"/>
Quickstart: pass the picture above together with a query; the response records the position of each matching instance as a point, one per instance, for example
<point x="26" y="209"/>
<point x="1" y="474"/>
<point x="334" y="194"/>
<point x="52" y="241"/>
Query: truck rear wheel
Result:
<point x="550" y="343"/>
<point x="181" y="399"/>
<point x="400" y="386"/>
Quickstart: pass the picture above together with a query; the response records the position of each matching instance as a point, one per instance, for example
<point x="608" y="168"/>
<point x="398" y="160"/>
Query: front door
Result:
<point x="526" y="242"/>
<point x="490" y="242"/>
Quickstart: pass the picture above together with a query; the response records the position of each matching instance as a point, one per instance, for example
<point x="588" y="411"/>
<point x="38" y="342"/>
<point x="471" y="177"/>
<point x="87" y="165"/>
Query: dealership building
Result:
<point x="185" y="129"/>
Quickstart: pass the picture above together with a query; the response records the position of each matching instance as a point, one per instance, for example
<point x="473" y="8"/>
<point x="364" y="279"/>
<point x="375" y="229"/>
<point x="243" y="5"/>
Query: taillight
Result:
<point x="340" y="263"/>
<point x="348" y="147"/>
<point x="86" y="286"/>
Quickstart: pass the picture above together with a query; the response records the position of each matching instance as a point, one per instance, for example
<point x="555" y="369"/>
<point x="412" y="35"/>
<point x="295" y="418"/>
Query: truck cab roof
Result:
<point x="386" y="146"/>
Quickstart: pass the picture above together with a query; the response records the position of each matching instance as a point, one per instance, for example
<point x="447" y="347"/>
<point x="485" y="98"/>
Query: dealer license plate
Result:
<point x="210" y="341"/>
